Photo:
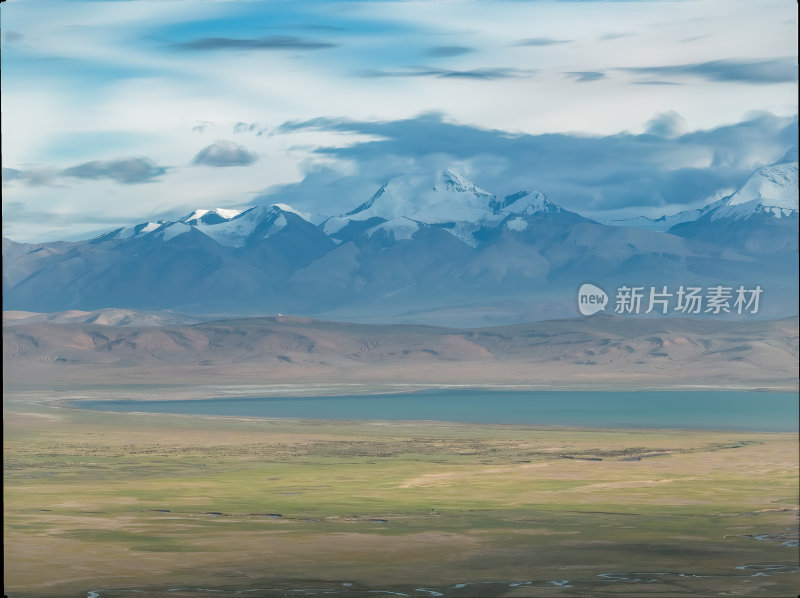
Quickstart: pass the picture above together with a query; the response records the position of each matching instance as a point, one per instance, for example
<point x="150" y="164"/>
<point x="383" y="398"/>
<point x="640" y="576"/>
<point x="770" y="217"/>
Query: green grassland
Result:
<point x="118" y="502"/>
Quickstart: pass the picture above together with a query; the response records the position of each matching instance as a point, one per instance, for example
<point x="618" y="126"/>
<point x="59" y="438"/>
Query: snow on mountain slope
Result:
<point x="214" y="216"/>
<point x="311" y="217"/>
<point x="334" y="224"/>
<point x="262" y="220"/>
<point x="664" y="223"/>
<point x="419" y="243"/>
<point x="525" y="203"/>
<point x="230" y="228"/>
<point x="450" y="181"/>
<point x="771" y="190"/>
<point x="450" y="198"/>
<point x="450" y="201"/>
<point x="139" y="230"/>
<point x="130" y="232"/>
<point x="173" y="229"/>
<point x="760" y="218"/>
<point x="446" y="200"/>
<point x="402" y="228"/>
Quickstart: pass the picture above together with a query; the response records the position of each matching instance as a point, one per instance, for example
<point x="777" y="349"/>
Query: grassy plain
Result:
<point x="113" y="503"/>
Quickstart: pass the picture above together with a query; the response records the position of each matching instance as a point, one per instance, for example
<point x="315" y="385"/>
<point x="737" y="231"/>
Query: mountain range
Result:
<point x="425" y="248"/>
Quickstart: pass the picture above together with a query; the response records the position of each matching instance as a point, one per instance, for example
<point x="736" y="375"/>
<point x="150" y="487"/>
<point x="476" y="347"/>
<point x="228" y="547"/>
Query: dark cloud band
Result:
<point x="587" y="174"/>
<point x="128" y="171"/>
<point x="447" y="51"/>
<point x="585" y="76"/>
<point x="275" y="42"/>
<point x="774" y="70"/>
<point x="224" y="153"/>
<point x="540" y="41"/>
<point x="486" y="74"/>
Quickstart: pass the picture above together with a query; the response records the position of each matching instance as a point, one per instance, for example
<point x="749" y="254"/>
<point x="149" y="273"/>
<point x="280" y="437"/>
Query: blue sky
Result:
<point x="122" y="111"/>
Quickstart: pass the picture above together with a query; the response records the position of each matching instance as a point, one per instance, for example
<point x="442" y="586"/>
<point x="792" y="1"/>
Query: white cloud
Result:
<point x="108" y="82"/>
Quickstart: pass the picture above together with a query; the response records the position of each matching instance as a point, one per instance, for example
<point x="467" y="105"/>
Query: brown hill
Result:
<point x="601" y="351"/>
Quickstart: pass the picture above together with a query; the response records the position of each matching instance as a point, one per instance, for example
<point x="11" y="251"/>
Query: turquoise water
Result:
<point x="704" y="410"/>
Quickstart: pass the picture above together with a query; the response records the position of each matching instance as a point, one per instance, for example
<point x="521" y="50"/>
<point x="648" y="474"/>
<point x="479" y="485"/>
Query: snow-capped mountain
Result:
<point x="448" y="201"/>
<point x="131" y="232"/>
<point x="401" y="207"/>
<point x="761" y="216"/>
<point x="214" y="216"/>
<point x="259" y="222"/>
<point x="449" y="196"/>
<point x="771" y="191"/>
<point x="404" y="203"/>
<point x="421" y="248"/>
<point x="230" y="228"/>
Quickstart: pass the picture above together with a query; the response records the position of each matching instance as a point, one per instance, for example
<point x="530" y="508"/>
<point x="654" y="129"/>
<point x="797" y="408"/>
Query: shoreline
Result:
<point x="182" y="391"/>
<point x="348" y="412"/>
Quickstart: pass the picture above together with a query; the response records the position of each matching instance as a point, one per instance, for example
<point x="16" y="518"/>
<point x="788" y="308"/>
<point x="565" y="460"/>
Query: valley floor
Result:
<point x="110" y="505"/>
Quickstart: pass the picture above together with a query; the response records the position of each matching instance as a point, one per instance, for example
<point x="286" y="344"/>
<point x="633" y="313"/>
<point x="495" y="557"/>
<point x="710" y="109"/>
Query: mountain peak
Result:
<point x="130" y="232"/>
<point x="214" y="216"/>
<point x="525" y="203"/>
<point x="451" y="197"/>
<point x="450" y="180"/>
<point x="770" y="189"/>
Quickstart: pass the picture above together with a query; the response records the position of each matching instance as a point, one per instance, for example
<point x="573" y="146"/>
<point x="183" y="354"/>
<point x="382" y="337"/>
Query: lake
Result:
<point x="704" y="410"/>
